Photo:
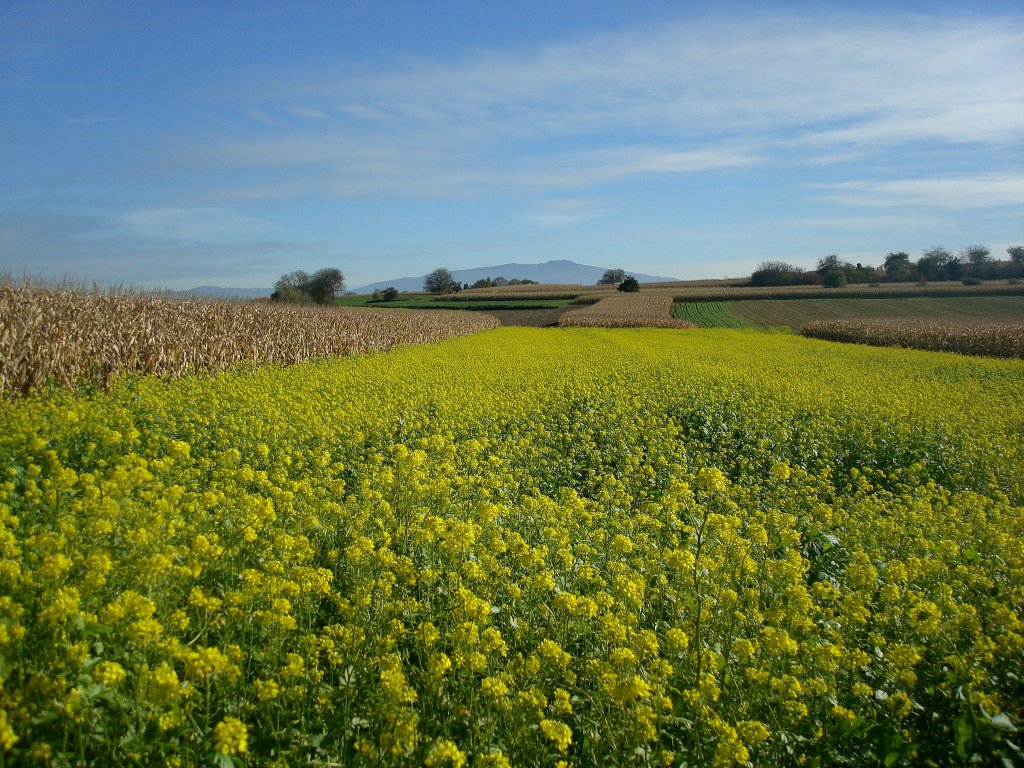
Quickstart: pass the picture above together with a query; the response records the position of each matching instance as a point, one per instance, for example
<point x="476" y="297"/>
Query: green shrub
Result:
<point x="835" y="279"/>
<point x="388" y="294"/>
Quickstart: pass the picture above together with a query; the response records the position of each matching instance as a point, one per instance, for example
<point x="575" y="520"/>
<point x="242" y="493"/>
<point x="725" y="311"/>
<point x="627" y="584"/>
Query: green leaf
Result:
<point x="219" y="760"/>
<point x="964" y="736"/>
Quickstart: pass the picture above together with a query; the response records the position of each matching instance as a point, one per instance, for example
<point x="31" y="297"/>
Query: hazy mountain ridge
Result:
<point x="560" y="271"/>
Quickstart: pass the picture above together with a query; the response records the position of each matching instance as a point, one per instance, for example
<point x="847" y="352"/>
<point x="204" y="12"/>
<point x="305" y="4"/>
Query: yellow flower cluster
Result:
<point x="528" y="547"/>
<point x="230" y="736"/>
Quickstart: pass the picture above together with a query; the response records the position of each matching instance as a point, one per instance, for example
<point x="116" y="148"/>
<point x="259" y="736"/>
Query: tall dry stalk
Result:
<point x="68" y="336"/>
<point x="990" y="339"/>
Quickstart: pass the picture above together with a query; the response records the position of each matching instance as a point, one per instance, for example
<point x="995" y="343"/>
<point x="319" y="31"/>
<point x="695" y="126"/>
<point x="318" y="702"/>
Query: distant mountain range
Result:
<point x="559" y="272"/>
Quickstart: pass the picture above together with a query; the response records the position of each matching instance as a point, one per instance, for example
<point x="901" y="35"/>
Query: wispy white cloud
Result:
<point x="190" y="224"/>
<point x="567" y="211"/>
<point x="949" y="192"/>
<point x="888" y="222"/>
<point x="582" y="169"/>
<point x="309" y="114"/>
<point x="736" y="118"/>
<point x="707" y="76"/>
<point x="675" y="99"/>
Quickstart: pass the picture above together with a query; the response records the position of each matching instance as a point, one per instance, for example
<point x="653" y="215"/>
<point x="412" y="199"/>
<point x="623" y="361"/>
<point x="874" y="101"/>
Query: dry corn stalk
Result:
<point x="991" y="339"/>
<point x="67" y="336"/>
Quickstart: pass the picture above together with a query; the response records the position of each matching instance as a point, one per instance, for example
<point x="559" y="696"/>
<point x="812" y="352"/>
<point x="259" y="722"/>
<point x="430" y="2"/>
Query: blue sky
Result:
<point x="180" y="144"/>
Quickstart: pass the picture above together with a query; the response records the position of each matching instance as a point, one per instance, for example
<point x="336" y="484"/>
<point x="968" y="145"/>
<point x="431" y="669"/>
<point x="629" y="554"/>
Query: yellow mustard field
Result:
<point x="560" y="547"/>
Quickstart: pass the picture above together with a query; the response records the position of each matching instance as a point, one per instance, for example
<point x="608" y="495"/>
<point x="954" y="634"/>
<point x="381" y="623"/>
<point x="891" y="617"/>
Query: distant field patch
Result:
<point x="795" y="313"/>
<point x="481" y="304"/>
<point x="529" y="318"/>
<point x="966" y="338"/>
<point x="625" y="310"/>
<point x="708" y="314"/>
<point x="692" y="292"/>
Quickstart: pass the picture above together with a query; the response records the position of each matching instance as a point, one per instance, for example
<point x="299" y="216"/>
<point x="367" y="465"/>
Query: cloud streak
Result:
<point x="948" y="192"/>
<point x="193" y="224"/>
<point x="567" y="211"/>
<point x="697" y="95"/>
<point x="708" y="76"/>
<point x="768" y="133"/>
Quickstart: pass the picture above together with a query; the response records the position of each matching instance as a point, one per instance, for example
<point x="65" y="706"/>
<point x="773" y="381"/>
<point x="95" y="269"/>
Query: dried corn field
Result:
<point x="990" y="339"/>
<point x="69" y="337"/>
<point x="626" y="310"/>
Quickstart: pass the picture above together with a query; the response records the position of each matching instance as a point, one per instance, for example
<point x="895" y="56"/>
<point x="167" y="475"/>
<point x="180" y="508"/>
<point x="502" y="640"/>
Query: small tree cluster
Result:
<point x="298" y="287"/>
<point x="441" y="281"/>
<point x="500" y="282"/>
<point x="388" y="294"/>
<point x="612" y="277"/>
<point x="629" y="285"/>
<point x="780" y="273"/>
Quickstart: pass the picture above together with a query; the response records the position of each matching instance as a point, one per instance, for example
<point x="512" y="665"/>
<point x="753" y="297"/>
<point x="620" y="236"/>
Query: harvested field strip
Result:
<point x="796" y="313"/>
<point x="626" y="310"/>
<point x="69" y="337"/>
<point x="993" y="339"/>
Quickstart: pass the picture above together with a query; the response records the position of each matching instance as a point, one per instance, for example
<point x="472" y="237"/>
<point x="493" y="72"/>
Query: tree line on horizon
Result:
<point x="971" y="265"/>
<point x="325" y="285"/>
<point x="442" y="281"/>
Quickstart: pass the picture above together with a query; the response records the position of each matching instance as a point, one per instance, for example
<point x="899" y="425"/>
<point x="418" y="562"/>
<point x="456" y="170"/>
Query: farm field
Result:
<point x="625" y="310"/>
<point x="577" y="547"/>
<point x="718" y="304"/>
<point x="798" y="312"/>
<point x="481" y="303"/>
<point x="737" y="290"/>
<point x="535" y="318"/>
<point x="708" y="314"/>
<point x="854" y="291"/>
<point x="71" y="337"/>
<point x="795" y="313"/>
<point x="964" y="337"/>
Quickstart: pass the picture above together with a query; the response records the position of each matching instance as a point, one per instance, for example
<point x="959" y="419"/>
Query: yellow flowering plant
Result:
<point x="599" y="547"/>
